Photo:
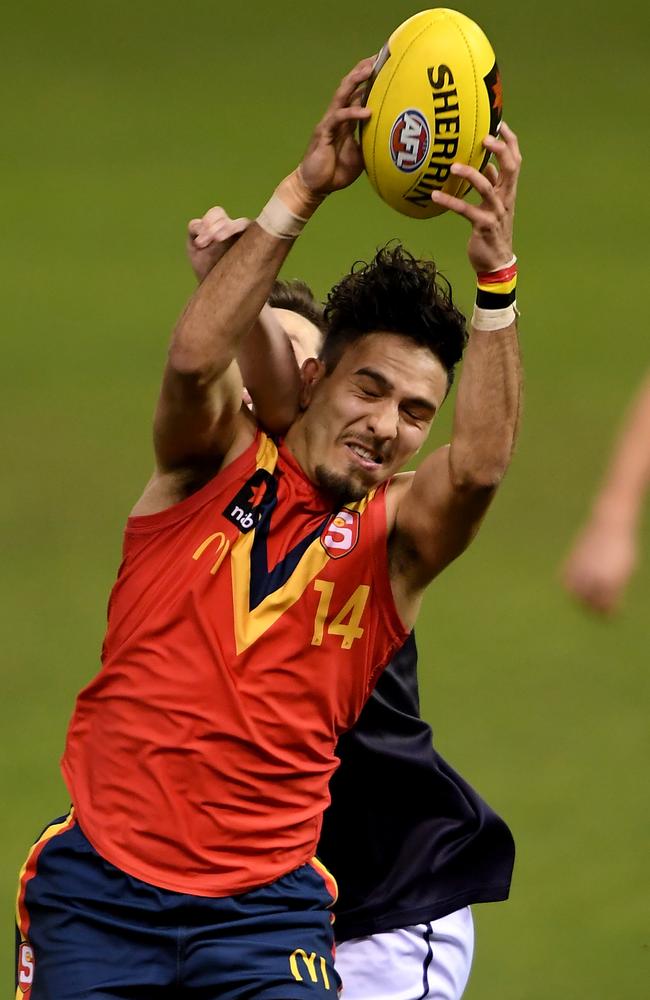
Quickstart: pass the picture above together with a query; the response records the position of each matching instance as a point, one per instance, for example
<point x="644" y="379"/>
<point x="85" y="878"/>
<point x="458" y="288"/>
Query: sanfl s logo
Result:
<point x="341" y="533"/>
<point x="25" y="967"/>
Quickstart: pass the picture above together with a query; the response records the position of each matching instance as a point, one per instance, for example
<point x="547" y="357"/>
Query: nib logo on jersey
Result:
<point x="254" y="499"/>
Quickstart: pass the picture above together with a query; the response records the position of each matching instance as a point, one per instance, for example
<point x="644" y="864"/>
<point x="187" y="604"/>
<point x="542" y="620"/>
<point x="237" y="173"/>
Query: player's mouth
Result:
<point x="366" y="457"/>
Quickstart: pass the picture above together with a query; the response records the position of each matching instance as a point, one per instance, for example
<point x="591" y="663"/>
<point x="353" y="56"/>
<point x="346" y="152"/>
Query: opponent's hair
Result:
<point x="395" y="293"/>
<point x="298" y="297"/>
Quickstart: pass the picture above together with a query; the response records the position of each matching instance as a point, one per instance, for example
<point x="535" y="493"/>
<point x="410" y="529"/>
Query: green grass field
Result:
<point x="120" y="122"/>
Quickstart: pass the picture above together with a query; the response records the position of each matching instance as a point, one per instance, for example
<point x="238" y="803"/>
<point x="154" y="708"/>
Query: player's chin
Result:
<point x="346" y="485"/>
<point x="363" y="480"/>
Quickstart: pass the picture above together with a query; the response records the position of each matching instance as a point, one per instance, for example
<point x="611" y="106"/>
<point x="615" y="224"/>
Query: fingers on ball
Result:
<point x="351" y="81"/>
<point x="491" y="173"/>
<point x="480" y="183"/>
<point x="450" y="202"/>
<point x="509" y="137"/>
<point x="340" y="116"/>
<point x="506" y="148"/>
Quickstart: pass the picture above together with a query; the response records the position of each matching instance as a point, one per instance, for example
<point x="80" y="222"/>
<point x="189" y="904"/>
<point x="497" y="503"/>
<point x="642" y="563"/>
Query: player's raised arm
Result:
<point x="266" y="358"/>
<point x="605" y="553"/>
<point x="199" y="418"/>
<point x="440" y="511"/>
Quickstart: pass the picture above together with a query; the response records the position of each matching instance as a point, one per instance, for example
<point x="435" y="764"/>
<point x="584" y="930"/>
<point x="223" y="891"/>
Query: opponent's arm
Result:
<point x="440" y="511"/>
<point x="605" y="553"/>
<point x="266" y="358"/>
<point x="199" y="413"/>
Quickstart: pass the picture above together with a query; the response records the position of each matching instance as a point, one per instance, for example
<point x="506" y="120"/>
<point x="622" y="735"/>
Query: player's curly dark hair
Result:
<point x="299" y="298"/>
<point x="395" y="293"/>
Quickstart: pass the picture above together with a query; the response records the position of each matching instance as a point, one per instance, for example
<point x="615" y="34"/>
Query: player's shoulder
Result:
<point x="167" y="487"/>
<point x="397" y="488"/>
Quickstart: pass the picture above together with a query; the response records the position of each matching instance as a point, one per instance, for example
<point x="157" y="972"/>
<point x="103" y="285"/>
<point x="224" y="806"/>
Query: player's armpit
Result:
<point x="435" y="520"/>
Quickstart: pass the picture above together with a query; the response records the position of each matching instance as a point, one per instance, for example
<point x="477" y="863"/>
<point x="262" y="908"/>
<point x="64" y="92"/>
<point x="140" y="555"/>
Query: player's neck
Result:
<point x="296" y="442"/>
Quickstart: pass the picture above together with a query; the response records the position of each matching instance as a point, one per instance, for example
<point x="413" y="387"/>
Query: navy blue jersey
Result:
<point x="407" y="838"/>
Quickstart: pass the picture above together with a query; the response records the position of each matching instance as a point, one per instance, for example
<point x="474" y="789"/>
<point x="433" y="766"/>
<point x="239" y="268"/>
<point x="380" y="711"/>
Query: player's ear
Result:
<point x="311" y="373"/>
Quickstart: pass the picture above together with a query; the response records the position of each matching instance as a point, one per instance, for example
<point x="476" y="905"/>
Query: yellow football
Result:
<point x="435" y="93"/>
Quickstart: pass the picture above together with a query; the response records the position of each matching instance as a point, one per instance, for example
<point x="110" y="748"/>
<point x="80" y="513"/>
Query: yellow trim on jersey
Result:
<point x="328" y="877"/>
<point x="267" y="454"/>
<point x="251" y="625"/>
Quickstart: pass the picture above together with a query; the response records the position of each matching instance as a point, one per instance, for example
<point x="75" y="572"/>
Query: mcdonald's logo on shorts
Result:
<point x="309" y="968"/>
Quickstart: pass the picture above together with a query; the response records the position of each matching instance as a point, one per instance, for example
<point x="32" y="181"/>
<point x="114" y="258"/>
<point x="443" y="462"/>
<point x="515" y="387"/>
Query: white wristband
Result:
<point x="494" y="319"/>
<point x="279" y="221"/>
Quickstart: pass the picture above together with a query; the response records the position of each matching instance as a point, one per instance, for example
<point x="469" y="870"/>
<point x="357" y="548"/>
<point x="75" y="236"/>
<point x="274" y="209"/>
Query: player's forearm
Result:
<point x="229" y="300"/>
<point x="620" y="500"/>
<point x="226" y="304"/>
<point x="270" y="373"/>
<point x="486" y="416"/>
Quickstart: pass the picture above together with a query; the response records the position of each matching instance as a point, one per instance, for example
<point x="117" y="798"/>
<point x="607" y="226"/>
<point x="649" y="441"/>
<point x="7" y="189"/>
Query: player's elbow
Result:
<point x="191" y="364"/>
<point x="197" y="352"/>
<point x="481" y="477"/>
<point x="480" y="469"/>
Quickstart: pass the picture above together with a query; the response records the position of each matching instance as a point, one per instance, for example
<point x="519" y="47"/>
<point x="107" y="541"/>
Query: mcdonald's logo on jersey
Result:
<point x="341" y="533"/>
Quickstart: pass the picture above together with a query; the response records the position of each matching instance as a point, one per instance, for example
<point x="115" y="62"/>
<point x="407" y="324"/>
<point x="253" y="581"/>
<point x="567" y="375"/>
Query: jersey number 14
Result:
<point x="346" y="623"/>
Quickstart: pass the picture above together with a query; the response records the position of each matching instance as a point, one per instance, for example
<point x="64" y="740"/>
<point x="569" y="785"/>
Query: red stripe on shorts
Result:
<point x="28" y="871"/>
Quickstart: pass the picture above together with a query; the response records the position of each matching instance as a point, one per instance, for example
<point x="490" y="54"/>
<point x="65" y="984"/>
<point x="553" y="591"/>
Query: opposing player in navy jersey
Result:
<point x="411" y="843"/>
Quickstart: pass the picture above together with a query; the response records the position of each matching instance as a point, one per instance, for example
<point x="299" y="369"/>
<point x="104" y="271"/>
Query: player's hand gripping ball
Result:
<point x="435" y="93"/>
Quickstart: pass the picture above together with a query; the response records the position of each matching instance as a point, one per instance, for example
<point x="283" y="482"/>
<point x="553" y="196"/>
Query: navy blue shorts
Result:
<point x="88" y="930"/>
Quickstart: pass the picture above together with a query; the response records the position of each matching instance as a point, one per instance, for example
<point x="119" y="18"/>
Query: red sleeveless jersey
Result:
<point x="246" y="628"/>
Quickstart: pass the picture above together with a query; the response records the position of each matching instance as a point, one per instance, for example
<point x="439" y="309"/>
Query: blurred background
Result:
<point x="123" y="120"/>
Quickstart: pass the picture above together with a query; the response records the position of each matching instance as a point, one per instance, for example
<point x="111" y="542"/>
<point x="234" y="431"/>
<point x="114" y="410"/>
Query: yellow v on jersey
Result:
<point x="261" y="595"/>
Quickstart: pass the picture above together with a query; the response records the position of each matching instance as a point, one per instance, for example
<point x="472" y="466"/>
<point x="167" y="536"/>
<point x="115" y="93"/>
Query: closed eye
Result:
<point x="371" y="391"/>
<point x="416" y="416"/>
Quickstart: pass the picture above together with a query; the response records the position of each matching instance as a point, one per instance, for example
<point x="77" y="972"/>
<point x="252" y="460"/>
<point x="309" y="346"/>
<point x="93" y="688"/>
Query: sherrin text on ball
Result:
<point x="435" y="93"/>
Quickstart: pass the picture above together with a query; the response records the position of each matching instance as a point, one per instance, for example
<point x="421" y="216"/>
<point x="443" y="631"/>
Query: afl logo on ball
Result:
<point x="409" y="140"/>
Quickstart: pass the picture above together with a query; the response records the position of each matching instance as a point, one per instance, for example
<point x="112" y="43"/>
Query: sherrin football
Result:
<point x="435" y="93"/>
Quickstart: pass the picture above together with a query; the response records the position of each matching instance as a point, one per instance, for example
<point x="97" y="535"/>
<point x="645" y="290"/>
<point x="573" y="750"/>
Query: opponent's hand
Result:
<point x="333" y="159"/>
<point x="210" y="237"/>
<point x="490" y="245"/>
<point x="600" y="565"/>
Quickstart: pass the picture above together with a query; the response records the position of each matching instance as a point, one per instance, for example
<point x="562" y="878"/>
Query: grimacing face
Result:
<point x="365" y="420"/>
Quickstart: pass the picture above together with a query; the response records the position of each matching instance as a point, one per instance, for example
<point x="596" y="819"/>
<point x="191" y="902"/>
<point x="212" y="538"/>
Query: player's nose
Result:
<point x="383" y="422"/>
